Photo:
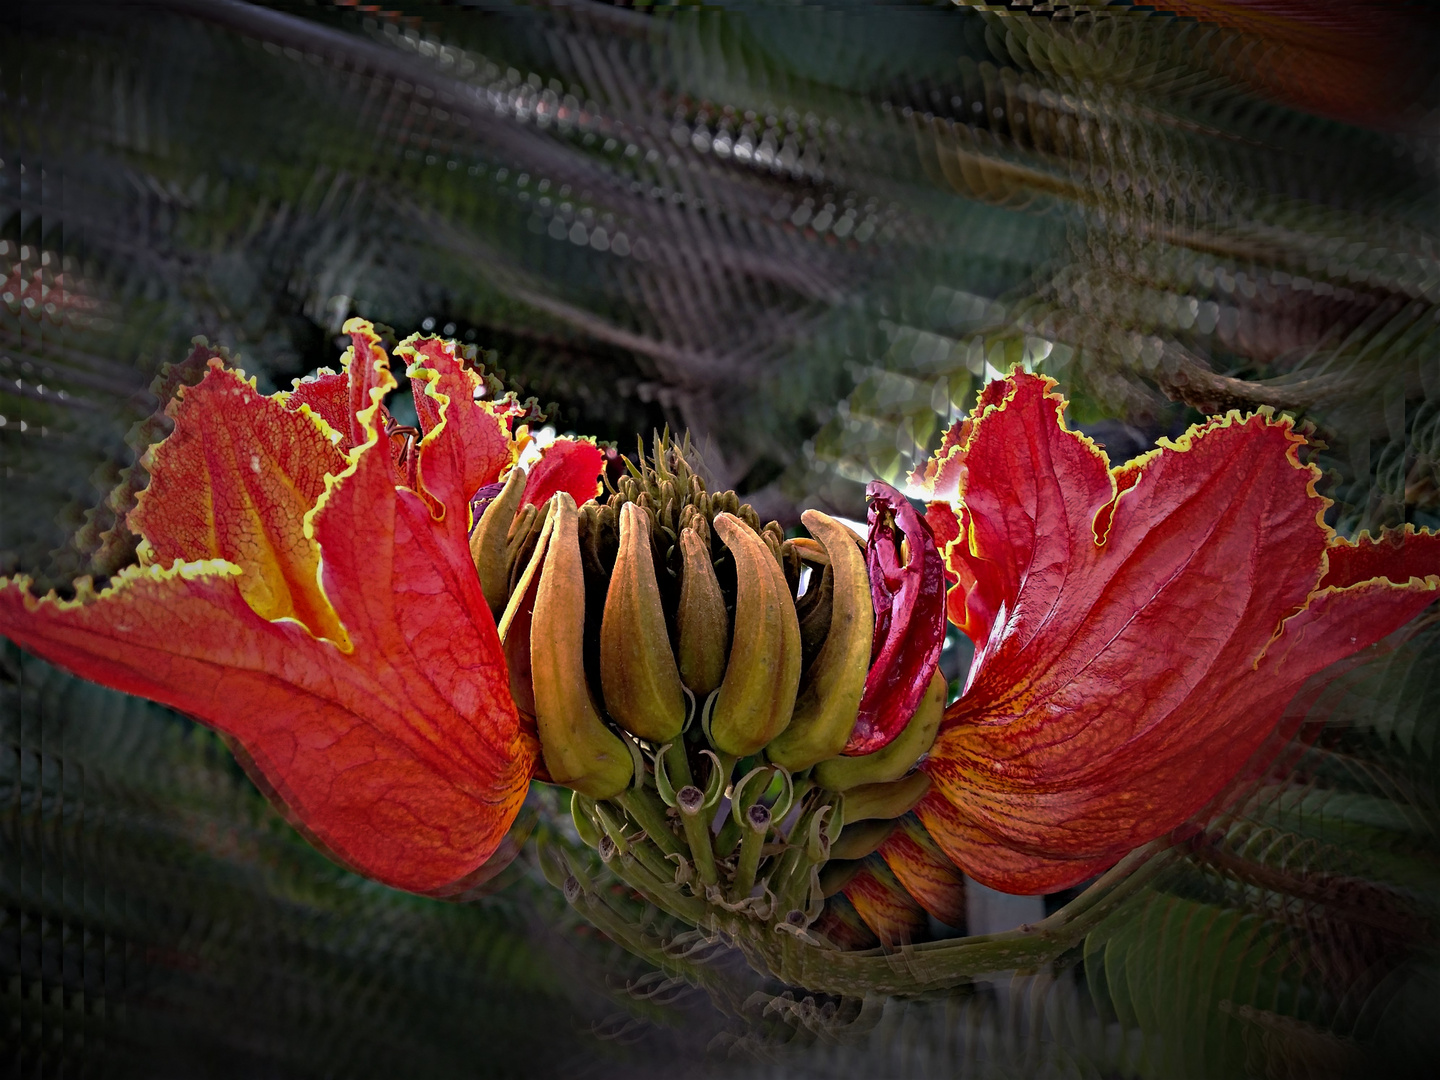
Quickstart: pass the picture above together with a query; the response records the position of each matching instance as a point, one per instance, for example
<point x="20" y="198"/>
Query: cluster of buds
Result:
<point x="729" y="706"/>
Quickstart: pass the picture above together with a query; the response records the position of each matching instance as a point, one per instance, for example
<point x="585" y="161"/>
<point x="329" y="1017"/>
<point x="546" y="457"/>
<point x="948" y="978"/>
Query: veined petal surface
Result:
<point x="398" y="749"/>
<point x="1139" y="630"/>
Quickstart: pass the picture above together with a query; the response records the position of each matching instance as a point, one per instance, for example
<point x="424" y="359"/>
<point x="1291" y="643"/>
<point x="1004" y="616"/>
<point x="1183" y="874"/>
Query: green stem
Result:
<point x="649" y="814"/>
<point x="677" y="764"/>
<point x="756" y="827"/>
<point x="793" y="873"/>
<point x="728" y="838"/>
<point x="935" y="965"/>
<point x="613" y="826"/>
<point x="691" y="801"/>
<point x="720" y="985"/>
<point x="654" y="862"/>
<point x="725" y="768"/>
<point x="660" y="891"/>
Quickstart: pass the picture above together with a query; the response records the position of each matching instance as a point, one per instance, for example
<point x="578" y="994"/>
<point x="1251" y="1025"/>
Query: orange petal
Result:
<point x="882" y="902"/>
<point x="840" y="923"/>
<point x="1125" y="669"/>
<point x="996" y="864"/>
<point x="919" y="865"/>
<point x="234" y="482"/>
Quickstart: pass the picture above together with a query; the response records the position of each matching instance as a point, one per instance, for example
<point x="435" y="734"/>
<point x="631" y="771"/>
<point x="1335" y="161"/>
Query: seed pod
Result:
<point x="899" y="756"/>
<point x="520" y="526"/>
<point x="580" y="751"/>
<point x="830" y="697"/>
<point x="774" y="538"/>
<point x="637" y="669"/>
<point x="757" y="694"/>
<point x="487" y="542"/>
<point x="703" y="625"/>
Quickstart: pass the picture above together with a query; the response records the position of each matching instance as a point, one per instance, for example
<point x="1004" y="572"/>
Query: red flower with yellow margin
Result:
<point x="1139" y="630"/>
<point x="306" y="588"/>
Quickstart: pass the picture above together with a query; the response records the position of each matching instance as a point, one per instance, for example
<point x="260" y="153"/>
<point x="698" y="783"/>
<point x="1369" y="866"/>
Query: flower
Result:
<point x="306" y="588"/>
<point x="1139" y="630"/>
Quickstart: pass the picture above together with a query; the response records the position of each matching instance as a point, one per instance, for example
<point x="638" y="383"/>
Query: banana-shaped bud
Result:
<point x="513" y="625"/>
<point x="488" y="541"/>
<point x="520" y="542"/>
<point x="580" y="751"/>
<point x="637" y="669"/>
<point x="826" y="708"/>
<point x="757" y="694"/>
<point x="838" y="873"/>
<point x="885" y="801"/>
<point x="774" y="537"/>
<point x="703" y="625"/>
<point x="814" y="611"/>
<point x="895" y="760"/>
<point x="861" y="839"/>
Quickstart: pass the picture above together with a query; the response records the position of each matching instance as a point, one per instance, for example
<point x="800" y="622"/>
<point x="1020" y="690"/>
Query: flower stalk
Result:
<point x="690" y="801"/>
<point x="752" y="839"/>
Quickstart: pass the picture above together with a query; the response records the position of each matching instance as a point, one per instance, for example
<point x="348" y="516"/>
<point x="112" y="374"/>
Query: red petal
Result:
<point x="1125" y="669"/>
<point x="338" y="399"/>
<point x="884" y="904"/>
<point x="571" y="465"/>
<point x="995" y="864"/>
<point x="909" y="605"/>
<point x="932" y="879"/>
<point x="1399" y="555"/>
<point x="840" y="923"/>
<point x="328" y="396"/>
<point x="368" y="370"/>
<point x="944" y="526"/>
<point x="234" y="482"/>
<point x="467" y="445"/>
<point x="403" y="755"/>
